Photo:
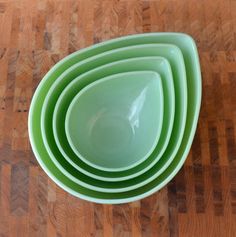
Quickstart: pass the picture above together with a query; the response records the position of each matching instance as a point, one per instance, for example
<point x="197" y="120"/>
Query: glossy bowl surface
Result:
<point x="156" y="64"/>
<point x="175" y="58"/>
<point x="114" y="123"/>
<point x="189" y="50"/>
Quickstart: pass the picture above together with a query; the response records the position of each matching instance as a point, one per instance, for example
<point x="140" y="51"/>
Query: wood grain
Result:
<point x="199" y="201"/>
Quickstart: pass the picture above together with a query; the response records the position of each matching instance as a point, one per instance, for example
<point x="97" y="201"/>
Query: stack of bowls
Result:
<point x="114" y="122"/>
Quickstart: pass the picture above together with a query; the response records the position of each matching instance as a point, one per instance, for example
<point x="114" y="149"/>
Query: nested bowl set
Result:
<point x="114" y="122"/>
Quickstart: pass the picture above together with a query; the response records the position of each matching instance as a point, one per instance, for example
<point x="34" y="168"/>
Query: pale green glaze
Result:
<point x="188" y="48"/>
<point x="115" y="123"/>
<point x="157" y="64"/>
<point x="174" y="55"/>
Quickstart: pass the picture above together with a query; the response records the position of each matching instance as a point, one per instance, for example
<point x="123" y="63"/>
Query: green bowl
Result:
<point x="189" y="50"/>
<point x="114" y="123"/>
<point x="175" y="57"/>
<point x="169" y="51"/>
<point x="157" y="64"/>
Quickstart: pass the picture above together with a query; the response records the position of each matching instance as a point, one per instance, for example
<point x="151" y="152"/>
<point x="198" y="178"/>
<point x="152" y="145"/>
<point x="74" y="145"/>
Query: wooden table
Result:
<point x="200" y="201"/>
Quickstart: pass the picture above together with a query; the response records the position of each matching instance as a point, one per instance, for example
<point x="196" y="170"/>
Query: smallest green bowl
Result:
<point x="114" y="124"/>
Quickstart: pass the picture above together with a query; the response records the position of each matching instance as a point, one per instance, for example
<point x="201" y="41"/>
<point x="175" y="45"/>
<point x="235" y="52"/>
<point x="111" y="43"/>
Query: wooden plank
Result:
<point x="52" y="197"/>
<point x="5" y="23"/>
<point x="3" y="85"/>
<point x="5" y="224"/>
<point x="135" y="215"/>
<point x="108" y="220"/>
<point x="160" y="217"/>
<point x="122" y="220"/>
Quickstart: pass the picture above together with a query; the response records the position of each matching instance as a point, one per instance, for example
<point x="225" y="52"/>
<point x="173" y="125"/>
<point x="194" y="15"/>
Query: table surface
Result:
<point x="199" y="201"/>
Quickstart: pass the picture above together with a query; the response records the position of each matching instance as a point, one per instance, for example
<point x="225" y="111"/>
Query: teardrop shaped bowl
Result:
<point x="156" y="64"/>
<point x="174" y="55"/>
<point x="114" y="123"/>
<point x="189" y="50"/>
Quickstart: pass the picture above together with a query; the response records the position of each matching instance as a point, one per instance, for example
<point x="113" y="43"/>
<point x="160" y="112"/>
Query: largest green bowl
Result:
<point x="188" y="47"/>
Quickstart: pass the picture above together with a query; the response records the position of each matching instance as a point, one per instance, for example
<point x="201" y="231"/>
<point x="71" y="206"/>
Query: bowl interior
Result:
<point x="156" y="64"/>
<point x="115" y="123"/>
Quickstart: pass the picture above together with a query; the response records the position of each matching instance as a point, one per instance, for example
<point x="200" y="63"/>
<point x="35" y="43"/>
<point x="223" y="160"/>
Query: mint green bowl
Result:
<point x="188" y="47"/>
<point x="157" y="64"/>
<point x="173" y="54"/>
<point x="175" y="57"/>
<point x="114" y="123"/>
